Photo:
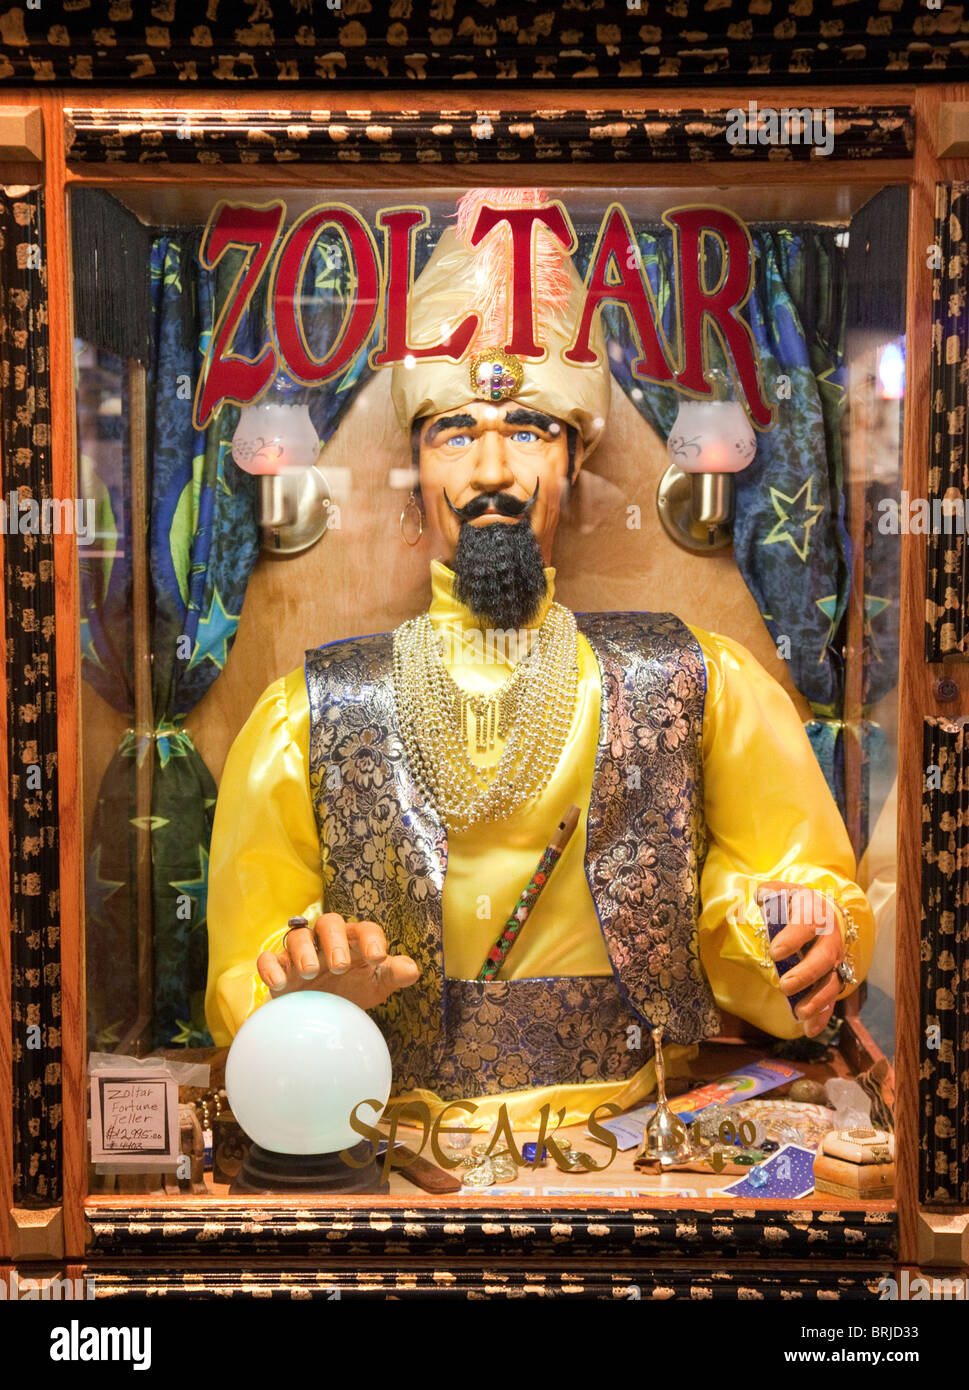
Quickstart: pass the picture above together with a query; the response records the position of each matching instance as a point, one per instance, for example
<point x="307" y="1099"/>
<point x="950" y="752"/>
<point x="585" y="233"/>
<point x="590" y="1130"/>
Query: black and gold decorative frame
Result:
<point x="944" y="983"/>
<point x="472" y="44"/>
<point x="743" y="1284"/>
<point x="539" y="136"/>
<point x="306" y="1250"/>
<point x="303" y="1232"/>
<point x="478" y="1253"/>
<point x="947" y="569"/>
<point x="31" y="704"/>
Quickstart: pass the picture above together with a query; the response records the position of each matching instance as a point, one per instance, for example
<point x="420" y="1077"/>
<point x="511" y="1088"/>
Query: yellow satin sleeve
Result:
<point x="264" y="859"/>
<point x="769" y="815"/>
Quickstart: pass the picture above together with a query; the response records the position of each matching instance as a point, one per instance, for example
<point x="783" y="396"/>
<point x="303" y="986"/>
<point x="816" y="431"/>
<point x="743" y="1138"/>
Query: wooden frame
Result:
<point x="859" y="1241"/>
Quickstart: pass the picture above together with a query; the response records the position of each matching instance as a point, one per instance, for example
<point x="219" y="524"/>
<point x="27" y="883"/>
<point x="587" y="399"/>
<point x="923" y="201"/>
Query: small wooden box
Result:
<point x="858" y="1163"/>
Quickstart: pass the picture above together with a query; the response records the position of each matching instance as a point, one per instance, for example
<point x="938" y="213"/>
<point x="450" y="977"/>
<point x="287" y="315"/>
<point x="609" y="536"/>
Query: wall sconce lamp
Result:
<point x="276" y="441"/>
<point x="710" y="440"/>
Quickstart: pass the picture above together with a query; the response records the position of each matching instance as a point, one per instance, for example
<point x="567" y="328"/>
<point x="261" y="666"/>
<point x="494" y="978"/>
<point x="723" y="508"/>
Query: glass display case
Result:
<point x="280" y="392"/>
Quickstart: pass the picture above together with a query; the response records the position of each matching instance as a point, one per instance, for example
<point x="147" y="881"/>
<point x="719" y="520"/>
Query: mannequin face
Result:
<point x="481" y="450"/>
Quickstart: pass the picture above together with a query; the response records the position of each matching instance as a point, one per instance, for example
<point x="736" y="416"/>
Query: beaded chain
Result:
<point x="535" y="706"/>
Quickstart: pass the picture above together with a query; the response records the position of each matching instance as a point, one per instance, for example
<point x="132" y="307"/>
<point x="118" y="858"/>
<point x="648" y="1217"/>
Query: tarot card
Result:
<point x="790" y="1174"/>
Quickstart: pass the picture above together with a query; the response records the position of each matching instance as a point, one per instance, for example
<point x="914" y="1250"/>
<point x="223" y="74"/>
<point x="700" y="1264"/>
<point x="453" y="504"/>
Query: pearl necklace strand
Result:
<point x="432" y="711"/>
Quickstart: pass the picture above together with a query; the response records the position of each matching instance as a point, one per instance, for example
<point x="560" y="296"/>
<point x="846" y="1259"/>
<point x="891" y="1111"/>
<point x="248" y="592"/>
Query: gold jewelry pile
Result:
<point x="484" y="1169"/>
<point x="532" y="710"/>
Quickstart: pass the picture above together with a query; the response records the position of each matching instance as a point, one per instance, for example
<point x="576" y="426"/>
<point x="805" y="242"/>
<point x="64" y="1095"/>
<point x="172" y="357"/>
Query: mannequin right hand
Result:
<point x="338" y="957"/>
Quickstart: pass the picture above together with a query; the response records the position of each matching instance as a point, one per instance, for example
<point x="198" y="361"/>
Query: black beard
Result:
<point x="499" y="573"/>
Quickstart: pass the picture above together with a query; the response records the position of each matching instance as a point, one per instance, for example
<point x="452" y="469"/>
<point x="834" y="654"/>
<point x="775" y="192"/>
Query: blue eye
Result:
<point x="524" y="436"/>
<point x="459" y="440"/>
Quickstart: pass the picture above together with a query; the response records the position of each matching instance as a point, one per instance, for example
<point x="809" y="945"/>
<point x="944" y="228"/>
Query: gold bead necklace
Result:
<point x="532" y="711"/>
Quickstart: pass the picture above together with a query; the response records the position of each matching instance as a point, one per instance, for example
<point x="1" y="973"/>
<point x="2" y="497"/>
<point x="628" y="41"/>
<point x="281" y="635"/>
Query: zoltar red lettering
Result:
<point x="287" y="286"/>
<point x="608" y="281"/>
<point x="226" y="376"/>
<point x="697" y="303"/>
<point x="397" y="224"/>
<point x="521" y="226"/>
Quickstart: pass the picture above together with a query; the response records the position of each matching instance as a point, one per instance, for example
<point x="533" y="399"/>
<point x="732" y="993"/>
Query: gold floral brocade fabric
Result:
<point x="384" y="851"/>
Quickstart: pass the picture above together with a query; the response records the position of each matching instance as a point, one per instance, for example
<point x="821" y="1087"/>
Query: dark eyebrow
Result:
<point x="521" y="416"/>
<point x="449" y="422"/>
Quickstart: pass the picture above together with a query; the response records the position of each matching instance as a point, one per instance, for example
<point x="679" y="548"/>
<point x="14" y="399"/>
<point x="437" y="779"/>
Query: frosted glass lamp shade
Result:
<point x="297" y="1068"/>
<point x="711" y="437"/>
<point x="274" y="437"/>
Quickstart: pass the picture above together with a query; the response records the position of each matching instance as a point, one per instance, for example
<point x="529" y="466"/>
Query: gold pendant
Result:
<point x="485" y="721"/>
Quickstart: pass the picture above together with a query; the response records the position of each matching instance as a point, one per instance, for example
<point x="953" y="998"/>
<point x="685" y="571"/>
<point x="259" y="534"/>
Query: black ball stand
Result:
<point x="298" y="1175"/>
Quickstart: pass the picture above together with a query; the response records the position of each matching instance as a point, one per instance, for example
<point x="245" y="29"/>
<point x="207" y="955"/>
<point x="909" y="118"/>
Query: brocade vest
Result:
<point x="384" y="858"/>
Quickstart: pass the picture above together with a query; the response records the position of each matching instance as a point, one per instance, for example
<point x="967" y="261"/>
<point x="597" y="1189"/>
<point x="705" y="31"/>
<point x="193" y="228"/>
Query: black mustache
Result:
<point x="501" y="502"/>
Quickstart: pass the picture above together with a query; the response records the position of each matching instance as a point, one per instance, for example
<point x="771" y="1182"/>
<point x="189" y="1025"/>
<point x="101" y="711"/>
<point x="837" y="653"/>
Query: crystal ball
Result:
<point x="297" y="1068"/>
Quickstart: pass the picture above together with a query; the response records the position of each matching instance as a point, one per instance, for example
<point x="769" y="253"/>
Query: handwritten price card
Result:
<point x="134" y="1119"/>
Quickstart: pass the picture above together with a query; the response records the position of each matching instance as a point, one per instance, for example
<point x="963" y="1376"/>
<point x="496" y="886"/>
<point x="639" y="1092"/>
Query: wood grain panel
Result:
<point x="67" y="600"/>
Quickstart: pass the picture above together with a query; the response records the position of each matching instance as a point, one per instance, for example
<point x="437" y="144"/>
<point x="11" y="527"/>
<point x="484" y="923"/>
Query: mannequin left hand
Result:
<point x="812" y="924"/>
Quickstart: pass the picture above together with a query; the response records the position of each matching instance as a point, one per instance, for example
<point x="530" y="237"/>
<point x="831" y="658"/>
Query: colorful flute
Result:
<point x="495" y="958"/>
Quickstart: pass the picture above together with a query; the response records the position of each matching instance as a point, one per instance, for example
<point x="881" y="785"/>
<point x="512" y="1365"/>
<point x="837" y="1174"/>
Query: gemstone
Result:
<point x="758" y="1177"/>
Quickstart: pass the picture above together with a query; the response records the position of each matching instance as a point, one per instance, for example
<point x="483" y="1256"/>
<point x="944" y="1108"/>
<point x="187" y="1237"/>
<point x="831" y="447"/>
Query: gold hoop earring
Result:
<point x="412" y="502"/>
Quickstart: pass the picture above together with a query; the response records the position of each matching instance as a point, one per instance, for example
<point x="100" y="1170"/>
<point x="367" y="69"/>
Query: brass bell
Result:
<point x="665" y="1137"/>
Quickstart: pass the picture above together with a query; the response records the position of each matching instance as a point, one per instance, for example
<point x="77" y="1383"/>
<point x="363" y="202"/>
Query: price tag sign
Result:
<point x="134" y="1119"/>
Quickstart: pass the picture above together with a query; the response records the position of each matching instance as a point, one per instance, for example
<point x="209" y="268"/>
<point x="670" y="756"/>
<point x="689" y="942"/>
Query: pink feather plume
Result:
<point x="552" y="284"/>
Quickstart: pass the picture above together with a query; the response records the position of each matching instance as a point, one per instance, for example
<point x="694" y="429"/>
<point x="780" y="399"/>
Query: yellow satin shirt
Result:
<point x="769" y="815"/>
